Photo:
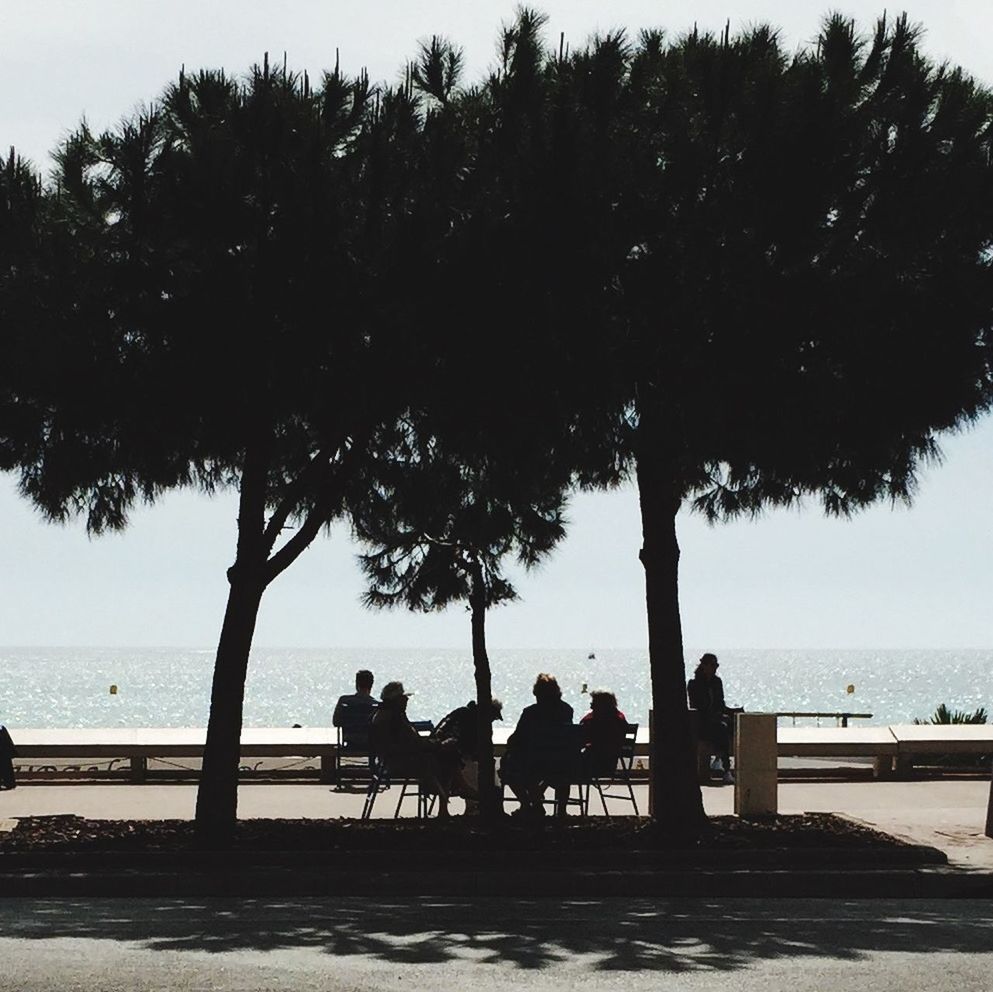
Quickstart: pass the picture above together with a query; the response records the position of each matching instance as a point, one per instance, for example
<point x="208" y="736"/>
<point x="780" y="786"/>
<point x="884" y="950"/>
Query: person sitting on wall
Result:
<point x="353" y="713"/>
<point x="543" y="750"/>
<point x="7" y="754"/>
<point x="435" y="764"/>
<point x="706" y="695"/>
<point x="603" y="730"/>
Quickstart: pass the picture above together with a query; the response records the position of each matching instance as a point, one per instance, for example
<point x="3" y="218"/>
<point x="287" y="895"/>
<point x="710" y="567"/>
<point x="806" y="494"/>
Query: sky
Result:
<point x="890" y="578"/>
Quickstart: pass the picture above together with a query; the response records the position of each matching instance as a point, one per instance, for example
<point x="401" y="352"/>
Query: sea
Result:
<point x="170" y="687"/>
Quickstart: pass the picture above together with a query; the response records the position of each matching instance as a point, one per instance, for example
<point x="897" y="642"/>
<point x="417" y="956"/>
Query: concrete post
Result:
<point x="756" y="765"/>
<point x="989" y="808"/>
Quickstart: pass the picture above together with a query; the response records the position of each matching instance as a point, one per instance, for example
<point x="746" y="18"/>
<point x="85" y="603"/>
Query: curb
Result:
<point x="253" y="881"/>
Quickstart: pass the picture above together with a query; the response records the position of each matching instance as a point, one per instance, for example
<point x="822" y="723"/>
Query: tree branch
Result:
<point x="318" y="516"/>
<point x="320" y="463"/>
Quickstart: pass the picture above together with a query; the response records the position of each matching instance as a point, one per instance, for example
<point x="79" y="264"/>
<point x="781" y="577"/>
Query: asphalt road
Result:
<point x="611" y="944"/>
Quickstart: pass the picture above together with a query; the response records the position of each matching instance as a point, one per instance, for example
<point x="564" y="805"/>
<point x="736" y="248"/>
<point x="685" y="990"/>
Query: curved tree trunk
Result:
<point x="678" y="802"/>
<point x="217" y="795"/>
<point x="488" y="800"/>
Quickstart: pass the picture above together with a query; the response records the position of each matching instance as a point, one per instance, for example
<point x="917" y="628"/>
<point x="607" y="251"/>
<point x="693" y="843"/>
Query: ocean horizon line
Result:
<point x="490" y="648"/>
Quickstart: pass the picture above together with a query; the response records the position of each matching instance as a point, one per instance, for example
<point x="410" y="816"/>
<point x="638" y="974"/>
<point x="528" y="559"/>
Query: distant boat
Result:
<point x="591" y="657"/>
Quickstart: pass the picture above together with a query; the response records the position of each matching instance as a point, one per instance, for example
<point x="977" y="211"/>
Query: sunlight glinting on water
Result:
<point x="163" y="687"/>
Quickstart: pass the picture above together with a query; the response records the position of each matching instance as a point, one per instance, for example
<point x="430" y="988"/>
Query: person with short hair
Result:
<point x="543" y="750"/>
<point x="353" y="712"/>
<point x="706" y="695"/>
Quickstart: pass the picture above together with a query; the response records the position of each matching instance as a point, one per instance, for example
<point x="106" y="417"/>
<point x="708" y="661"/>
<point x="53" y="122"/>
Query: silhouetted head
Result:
<point x="707" y="666"/>
<point x="603" y="702"/>
<point x="363" y="680"/>
<point x="546" y="688"/>
<point x="494" y="710"/>
<point x="393" y="695"/>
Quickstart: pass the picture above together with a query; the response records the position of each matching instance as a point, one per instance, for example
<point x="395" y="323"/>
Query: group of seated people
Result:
<point x="546" y="749"/>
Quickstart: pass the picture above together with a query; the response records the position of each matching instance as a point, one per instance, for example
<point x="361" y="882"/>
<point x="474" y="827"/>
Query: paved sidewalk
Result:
<point x="949" y="815"/>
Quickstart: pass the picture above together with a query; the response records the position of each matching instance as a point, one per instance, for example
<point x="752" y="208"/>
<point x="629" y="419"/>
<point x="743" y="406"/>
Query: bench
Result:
<point x="914" y="741"/>
<point x="894" y="749"/>
<point x="138" y="744"/>
<point x="877" y="743"/>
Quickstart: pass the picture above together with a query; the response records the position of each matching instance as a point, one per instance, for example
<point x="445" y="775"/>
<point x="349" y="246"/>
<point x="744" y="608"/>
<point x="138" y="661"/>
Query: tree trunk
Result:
<point x="678" y="802"/>
<point x="488" y="799"/>
<point x="217" y="795"/>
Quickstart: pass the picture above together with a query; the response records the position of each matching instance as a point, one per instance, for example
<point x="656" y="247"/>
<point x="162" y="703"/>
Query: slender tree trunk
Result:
<point x="678" y="802"/>
<point x="217" y="796"/>
<point x="488" y="803"/>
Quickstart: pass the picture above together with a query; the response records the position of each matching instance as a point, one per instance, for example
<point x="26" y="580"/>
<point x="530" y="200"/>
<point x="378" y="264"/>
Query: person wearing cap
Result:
<point x="436" y="764"/>
<point x="462" y="727"/>
<point x="706" y="695"/>
<point x="543" y="750"/>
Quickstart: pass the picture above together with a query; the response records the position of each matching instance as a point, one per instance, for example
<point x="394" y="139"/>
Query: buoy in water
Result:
<point x="113" y="690"/>
<point x="849" y="688"/>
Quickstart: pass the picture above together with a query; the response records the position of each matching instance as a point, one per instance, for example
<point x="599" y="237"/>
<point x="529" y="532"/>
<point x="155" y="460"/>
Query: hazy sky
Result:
<point x="921" y="577"/>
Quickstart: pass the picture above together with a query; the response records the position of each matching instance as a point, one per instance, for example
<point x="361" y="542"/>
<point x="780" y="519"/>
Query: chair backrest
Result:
<point x="626" y="758"/>
<point x="354" y="726"/>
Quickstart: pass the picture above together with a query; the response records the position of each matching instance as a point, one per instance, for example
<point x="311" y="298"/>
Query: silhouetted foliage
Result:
<point x="741" y="276"/>
<point x="798" y="285"/>
<point x="21" y="203"/>
<point x="943" y="715"/>
<point x="236" y="263"/>
<point x="440" y="525"/>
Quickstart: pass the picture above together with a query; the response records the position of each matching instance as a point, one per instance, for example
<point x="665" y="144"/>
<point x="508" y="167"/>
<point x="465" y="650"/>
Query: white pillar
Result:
<point x="755" y="765"/>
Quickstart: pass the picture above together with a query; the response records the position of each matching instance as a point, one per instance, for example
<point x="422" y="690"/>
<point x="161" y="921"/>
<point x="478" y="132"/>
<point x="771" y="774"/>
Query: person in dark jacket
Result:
<point x="394" y="739"/>
<point x="7" y="754"/>
<point x="706" y="696"/>
<point x="353" y="713"/>
<point x="461" y="728"/>
<point x="543" y="750"/>
<point x="603" y="731"/>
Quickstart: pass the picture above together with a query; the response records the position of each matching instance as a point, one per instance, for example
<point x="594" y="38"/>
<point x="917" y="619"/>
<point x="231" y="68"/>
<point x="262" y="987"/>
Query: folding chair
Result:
<point x="621" y="775"/>
<point x="410" y="786"/>
<point x="353" y="742"/>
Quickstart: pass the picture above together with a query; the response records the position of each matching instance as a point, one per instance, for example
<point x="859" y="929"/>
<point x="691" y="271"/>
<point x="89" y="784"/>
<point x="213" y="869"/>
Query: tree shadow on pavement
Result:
<point x="605" y="934"/>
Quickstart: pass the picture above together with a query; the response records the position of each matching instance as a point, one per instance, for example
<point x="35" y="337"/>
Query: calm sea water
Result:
<point x="169" y="687"/>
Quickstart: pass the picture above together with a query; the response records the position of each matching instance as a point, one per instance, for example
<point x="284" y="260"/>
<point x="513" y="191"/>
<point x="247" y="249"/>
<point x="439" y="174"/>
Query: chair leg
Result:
<point x="403" y="792"/>
<point x="370" y="797"/>
<point x="603" y="801"/>
<point x="634" y="802"/>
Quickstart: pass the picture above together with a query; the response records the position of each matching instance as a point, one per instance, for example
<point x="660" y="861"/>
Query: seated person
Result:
<point x="603" y="730"/>
<point x="543" y="750"/>
<point x="462" y="727"/>
<point x="706" y="695"/>
<point x="435" y="764"/>
<point x="7" y="753"/>
<point x="353" y="713"/>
